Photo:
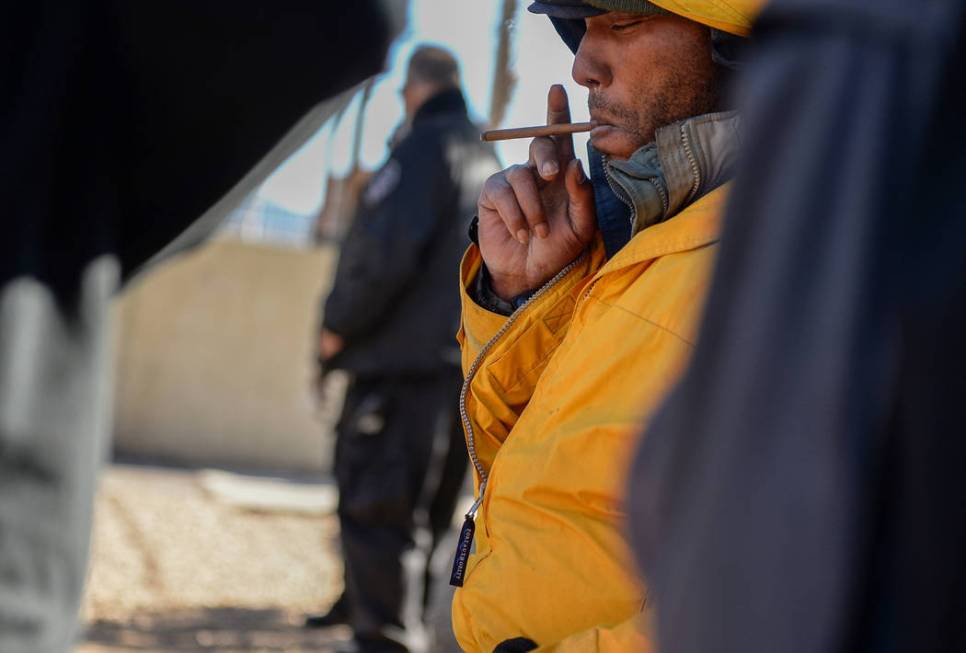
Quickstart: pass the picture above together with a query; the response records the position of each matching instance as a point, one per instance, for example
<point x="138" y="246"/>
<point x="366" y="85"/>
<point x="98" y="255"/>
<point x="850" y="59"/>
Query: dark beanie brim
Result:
<point x="567" y="9"/>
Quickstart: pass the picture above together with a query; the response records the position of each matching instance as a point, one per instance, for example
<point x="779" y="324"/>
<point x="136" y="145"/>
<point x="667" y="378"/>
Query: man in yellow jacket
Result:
<point x="580" y="302"/>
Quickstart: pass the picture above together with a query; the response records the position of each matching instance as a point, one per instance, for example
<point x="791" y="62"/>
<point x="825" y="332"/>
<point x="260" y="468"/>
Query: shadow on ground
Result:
<point x="211" y="629"/>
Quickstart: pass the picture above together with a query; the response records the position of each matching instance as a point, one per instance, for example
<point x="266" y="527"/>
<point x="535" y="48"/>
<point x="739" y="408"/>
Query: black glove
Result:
<point x="515" y="645"/>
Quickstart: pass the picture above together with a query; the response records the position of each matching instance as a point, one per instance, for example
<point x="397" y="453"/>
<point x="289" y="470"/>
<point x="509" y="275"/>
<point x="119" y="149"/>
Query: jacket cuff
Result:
<point x="484" y="296"/>
<point x="478" y="324"/>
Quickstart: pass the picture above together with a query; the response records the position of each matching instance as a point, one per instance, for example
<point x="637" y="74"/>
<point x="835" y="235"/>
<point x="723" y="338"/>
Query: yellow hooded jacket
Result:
<point x="555" y="397"/>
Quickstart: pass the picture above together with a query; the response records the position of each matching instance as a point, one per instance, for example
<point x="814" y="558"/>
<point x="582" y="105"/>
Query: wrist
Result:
<point x="484" y="296"/>
<point x="507" y="287"/>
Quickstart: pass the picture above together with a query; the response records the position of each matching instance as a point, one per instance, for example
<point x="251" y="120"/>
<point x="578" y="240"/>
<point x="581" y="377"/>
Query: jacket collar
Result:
<point x="698" y="225"/>
<point x="449" y="101"/>
<point x="687" y="160"/>
<point x="697" y="155"/>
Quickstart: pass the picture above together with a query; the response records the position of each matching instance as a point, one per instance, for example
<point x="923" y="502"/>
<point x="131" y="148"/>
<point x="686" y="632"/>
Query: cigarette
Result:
<point x="540" y="130"/>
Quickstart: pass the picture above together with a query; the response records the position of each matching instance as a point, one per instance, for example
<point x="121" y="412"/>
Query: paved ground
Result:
<point x="188" y="561"/>
<point x="202" y="561"/>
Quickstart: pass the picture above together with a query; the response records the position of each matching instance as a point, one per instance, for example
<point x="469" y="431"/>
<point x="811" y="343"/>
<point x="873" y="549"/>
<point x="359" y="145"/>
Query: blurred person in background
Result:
<point x="389" y="321"/>
<point x="122" y="124"/>
<point x="580" y="306"/>
<point x="803" y="490"/>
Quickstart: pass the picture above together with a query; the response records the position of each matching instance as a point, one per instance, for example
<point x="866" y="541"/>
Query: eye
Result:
<point x="626" y="25"/>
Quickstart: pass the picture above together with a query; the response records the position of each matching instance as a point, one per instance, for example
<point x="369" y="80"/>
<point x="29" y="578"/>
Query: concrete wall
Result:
<point x="214" y="359"/>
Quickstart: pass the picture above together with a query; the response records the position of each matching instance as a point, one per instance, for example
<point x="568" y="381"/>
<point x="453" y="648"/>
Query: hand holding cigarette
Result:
<point x="537" y="217"/>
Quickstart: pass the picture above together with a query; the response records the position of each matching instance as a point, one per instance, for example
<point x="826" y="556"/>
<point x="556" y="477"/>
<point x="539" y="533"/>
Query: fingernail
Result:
<point x="549" y="169"/>
<point x="523" y="236"/>
<point x="581" y="177"/>
<point x="541" y="230"/>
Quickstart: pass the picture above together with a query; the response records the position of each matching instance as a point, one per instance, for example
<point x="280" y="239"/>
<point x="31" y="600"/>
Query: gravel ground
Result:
<point x="177" y="568"/>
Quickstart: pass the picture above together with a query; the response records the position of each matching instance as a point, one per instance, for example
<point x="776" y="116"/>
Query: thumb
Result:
<point x="580" y="193"/>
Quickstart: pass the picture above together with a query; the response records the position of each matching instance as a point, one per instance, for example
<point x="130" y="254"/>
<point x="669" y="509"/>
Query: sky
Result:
<point x="468" y="28"/>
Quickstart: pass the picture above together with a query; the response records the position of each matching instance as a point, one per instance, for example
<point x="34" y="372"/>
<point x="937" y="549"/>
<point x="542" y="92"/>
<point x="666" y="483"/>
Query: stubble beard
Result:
<point x="671" y="103"/>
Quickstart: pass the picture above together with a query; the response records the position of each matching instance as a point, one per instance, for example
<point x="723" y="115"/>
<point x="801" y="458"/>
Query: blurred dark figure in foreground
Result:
<point x="390" y="321"/>
<point x="806" y="480"/>
<point x="123" y="122"/>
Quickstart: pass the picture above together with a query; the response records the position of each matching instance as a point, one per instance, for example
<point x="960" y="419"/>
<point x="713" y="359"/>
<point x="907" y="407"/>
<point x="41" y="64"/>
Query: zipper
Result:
<point x="663" y="195"/>
<point x="695" y="170"/>
<point x="622" y="194"/>
<point x="471" y="372"/>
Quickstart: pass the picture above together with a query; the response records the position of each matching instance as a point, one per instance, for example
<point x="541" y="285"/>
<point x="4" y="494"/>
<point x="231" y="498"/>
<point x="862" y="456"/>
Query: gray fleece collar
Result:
<point x="687" y="160"/>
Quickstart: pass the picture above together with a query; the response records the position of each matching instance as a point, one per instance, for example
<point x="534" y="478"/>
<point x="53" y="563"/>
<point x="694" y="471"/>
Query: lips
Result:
<point x="601" y="123"/>
<point x="602" y="130"/>
<point x="611" y="135"/>
<point x="601" y="120"/>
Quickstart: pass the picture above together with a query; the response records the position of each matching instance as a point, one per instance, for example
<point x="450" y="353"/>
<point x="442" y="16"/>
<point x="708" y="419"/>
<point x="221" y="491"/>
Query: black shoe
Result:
<point x="338" y="615"/>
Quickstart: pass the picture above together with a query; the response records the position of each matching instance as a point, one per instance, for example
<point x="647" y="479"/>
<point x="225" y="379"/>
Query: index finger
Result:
<point x="558" y="111"/>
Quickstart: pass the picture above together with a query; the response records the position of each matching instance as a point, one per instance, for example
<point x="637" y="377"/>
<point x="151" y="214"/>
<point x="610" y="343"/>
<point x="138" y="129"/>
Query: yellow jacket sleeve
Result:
<point x="477" y="325"/>
<point x="626" y="637"/>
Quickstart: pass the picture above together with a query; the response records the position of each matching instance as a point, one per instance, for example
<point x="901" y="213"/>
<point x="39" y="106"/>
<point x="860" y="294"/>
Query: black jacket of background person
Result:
<point x="394" y="299"/>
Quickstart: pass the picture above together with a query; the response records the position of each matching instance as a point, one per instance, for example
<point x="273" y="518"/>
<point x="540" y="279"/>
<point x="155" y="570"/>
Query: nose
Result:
<point x="590" y="67"/>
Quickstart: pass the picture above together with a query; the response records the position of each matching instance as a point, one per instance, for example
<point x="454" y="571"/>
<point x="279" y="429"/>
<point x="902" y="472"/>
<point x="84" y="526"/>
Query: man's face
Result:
<point x="643" y="72"/>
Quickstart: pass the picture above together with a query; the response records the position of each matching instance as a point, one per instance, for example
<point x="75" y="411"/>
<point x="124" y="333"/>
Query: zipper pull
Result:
<point x="462" y="552"/>
<point x="465" y="542"/>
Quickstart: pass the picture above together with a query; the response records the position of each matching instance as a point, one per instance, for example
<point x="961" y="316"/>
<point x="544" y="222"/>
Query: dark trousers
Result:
<point x="400" y="462"/>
